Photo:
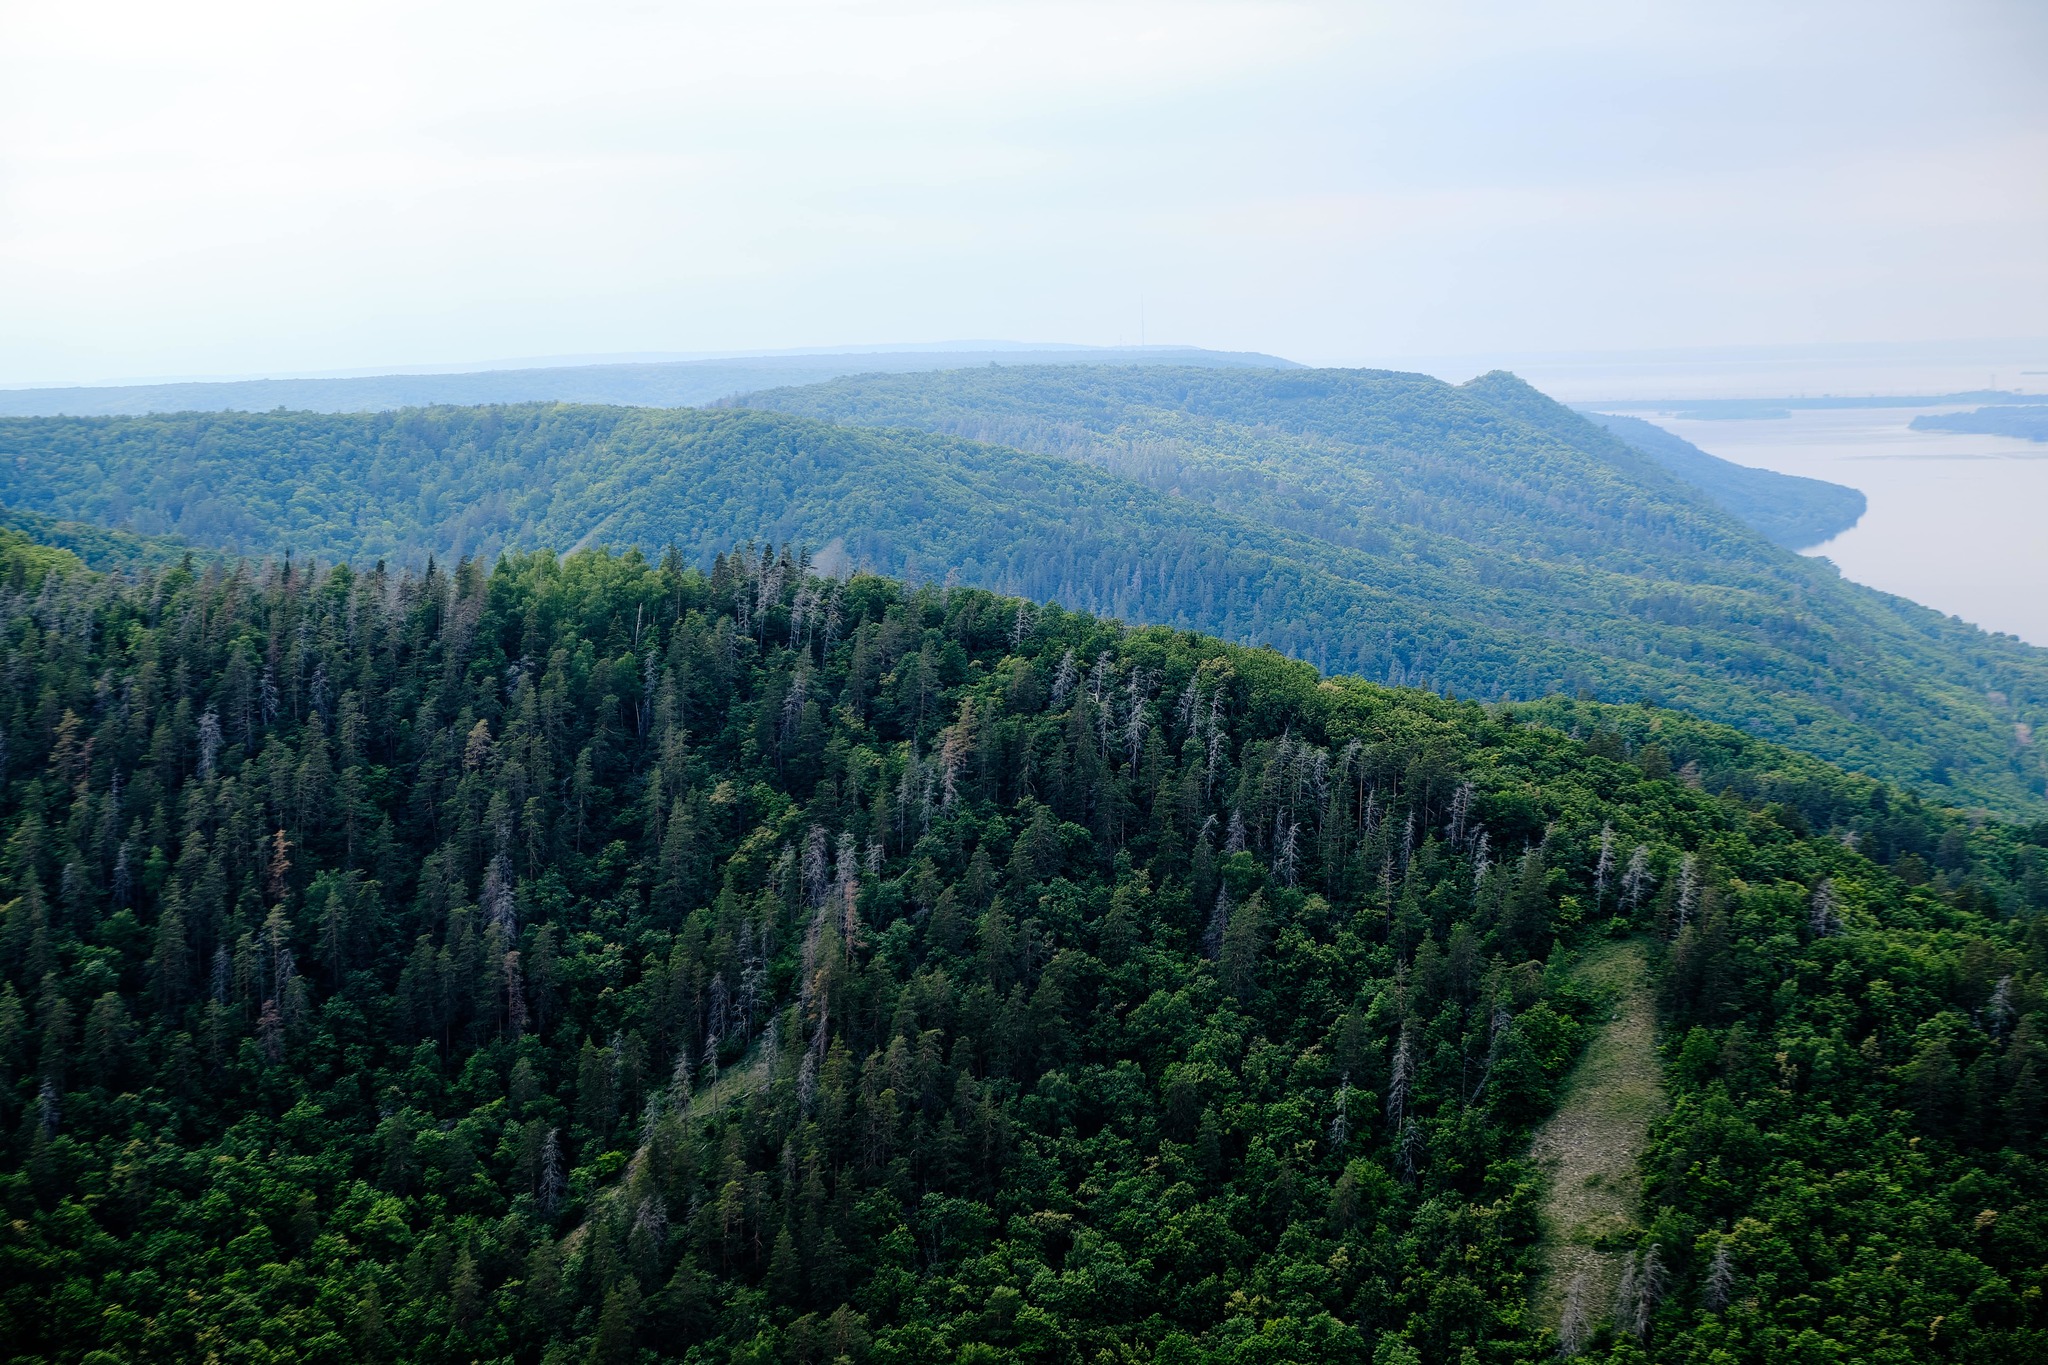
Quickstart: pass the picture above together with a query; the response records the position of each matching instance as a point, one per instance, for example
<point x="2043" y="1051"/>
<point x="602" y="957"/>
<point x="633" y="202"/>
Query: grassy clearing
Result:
<point x="1589" y="1147"/>
<point x="737" y="1081"/>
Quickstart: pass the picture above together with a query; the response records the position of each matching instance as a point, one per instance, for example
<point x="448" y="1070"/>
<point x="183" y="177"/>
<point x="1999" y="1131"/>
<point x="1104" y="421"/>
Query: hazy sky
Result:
<point x="213" y="188"/>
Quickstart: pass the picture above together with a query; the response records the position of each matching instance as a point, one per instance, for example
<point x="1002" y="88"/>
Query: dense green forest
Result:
<point x="96" y="546"/>
<point x="1477" y="540"/>
<point x="1503" y="510"/>
<point x="2027" y="423"/>
<point x="593" y="959"/>
<point x="650" y="384"/>
<point x="1785" y="509"/>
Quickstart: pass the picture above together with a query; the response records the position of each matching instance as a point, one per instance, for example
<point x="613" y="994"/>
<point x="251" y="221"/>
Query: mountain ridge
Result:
<point x="1371" y="522"/>
<point x="1705" y="566"/>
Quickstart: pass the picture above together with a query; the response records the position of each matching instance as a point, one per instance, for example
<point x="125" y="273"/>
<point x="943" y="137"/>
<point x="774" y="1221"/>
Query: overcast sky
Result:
<point x="214" y="188"/>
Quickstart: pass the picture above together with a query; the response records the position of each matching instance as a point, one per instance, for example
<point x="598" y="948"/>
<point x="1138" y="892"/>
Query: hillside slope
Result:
<point x="1387" y="525"/>
<point x="1513" y="512"/>
<point x="1785" y="509"/>
<point x="372" y="947"/>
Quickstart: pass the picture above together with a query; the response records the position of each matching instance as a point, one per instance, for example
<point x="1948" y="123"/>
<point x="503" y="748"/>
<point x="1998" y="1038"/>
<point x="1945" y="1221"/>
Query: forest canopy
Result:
<point x="1477" y="540"/>
<point x="1786" y="509"/>
<point x="583" y="957"/>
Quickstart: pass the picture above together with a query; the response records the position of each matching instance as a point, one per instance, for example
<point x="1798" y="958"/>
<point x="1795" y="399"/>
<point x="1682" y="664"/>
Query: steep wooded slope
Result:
<point x="1387" y="525"/>
<point x="371" y="945"/>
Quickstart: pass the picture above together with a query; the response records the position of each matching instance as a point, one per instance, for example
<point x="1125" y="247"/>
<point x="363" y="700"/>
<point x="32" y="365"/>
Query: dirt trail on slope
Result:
<point x="1589" y="1148"/>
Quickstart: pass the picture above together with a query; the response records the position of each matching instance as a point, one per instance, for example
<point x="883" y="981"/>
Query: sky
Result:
<point x="240" y="189"/>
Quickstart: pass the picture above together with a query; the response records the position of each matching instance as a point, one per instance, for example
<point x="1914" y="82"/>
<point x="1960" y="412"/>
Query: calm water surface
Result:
<point x="1959" y="523"/>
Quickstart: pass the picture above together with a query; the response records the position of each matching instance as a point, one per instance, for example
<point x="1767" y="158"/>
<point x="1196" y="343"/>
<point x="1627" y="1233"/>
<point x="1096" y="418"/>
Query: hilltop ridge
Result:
<point x="1478" y="539"/>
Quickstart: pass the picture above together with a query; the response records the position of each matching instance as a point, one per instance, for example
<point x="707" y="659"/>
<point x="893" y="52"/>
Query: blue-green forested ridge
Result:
<point x="1478" y="540"/>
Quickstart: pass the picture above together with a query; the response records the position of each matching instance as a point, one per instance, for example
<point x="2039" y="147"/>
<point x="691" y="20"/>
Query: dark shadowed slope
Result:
<point x="590" y="960"/>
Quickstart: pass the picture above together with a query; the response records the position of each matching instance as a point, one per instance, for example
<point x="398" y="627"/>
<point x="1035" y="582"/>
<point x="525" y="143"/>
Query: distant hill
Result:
<point x="1514" y="515"/>
<point x="651" y="385"/>
<point x="2028" y="423"/>
<point x="1790" y="511"/>
<point x="1476" y="539"/>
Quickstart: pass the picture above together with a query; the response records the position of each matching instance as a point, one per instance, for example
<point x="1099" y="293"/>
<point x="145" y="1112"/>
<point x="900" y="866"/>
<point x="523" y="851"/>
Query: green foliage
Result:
<point x="93" y="545"/>
<point x="1478" y="540"/>
<point x="591" y="959"/>
<point x="1787" y="510"/>
<point x="1528" y="550"/>
<point x="25" y="563"/>
<point x="1850" y="1169"/>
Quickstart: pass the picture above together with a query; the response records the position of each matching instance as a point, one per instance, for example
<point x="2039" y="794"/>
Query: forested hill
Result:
<point x="97" y="546"/>
<point x="1788" y="510"/>
<point x="1509" y="512"/>
<point x="590" y="960"/>
<point x="1398" y="462"/>
<point x="1444" y="541"/>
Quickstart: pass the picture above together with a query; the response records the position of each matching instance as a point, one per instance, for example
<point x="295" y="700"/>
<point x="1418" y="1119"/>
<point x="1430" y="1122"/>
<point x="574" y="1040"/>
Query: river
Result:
<point x="1959" y="523"/>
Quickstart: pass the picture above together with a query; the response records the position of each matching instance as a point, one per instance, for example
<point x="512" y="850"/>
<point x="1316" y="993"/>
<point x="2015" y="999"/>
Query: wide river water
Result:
<point x="1959" y="523"/>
